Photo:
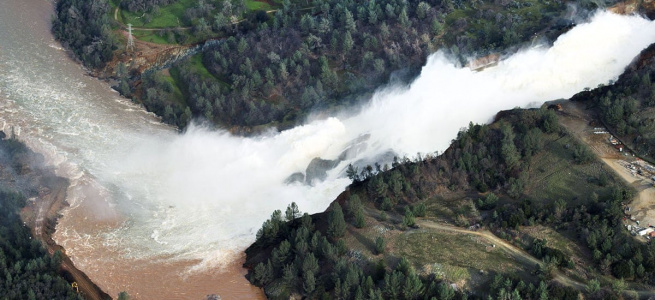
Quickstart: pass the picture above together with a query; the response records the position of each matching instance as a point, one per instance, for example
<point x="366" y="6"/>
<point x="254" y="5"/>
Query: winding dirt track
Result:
<point x="519" y="254"/>
<point x="515" y="251"/>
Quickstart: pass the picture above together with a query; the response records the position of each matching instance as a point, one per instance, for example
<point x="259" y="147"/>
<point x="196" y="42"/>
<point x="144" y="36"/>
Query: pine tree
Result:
<point x="289" y="275"/>
<point x="508" y="150"/>
<point x="309" y="284"/>
<point x="292" y="212"/>
<point x="336" y="222"/>
<point x="413" y="286"/>
<point x="360" y="221"/>
<point x="408" y="219"/>
<point x="422" y="10"/>
<point x="379" y="245"/>
<point x="348" y="42"/>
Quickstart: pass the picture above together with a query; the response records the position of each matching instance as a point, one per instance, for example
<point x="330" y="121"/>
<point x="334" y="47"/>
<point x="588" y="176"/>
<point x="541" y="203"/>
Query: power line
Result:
<point x="130" y="39"/>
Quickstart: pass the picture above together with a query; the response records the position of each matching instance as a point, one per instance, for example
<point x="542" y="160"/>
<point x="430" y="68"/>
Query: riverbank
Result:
<point x="42" y="214"/>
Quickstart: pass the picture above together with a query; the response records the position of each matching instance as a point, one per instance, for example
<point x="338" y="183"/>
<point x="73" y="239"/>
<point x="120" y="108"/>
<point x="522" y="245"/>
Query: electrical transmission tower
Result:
<point x="130" y="39"/>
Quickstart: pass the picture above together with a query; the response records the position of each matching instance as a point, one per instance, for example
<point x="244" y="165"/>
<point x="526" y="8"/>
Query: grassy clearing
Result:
<point x="150" y="36"/>
<point x="448" y="207"/>
<point x="177" y="92"/>
<point x="169" y="16"/>
<point x="440" y="207"/>
<point x="456" y="15"/>
<point x="455" y="251"/>
<point x="563" y="241"/>
<point x="257" y="5"/>
<point x="179" y="85"/>
<point x="197" y="65"/>
<point x="552" y="174"/>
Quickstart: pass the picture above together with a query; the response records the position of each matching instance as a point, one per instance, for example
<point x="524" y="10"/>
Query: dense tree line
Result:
<point x="309" y="55"/>
<point x="626" y="106"/>
<point x="307" y="256"/>
<point x="28" y="271"/>
<point x="509" y="287"/>
<point x="83" y="27"/>
<point x="144" y="5"/>
<point x="493" y="158"/>
<point x="483" y="157"/>
<point x="321" y="55"/>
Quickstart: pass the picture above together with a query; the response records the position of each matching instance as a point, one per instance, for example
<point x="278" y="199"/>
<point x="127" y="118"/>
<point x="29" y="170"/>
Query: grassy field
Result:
<point x="199" y="67"/>
<point x="170" y="16"/>
<point x="552" y="174"/>
<point x="442" y="207"/>
<point x="457" y="256"/>
<point x="257" y="5"/>
<point x="177" y="93"/>
<point x="150" y="36"/>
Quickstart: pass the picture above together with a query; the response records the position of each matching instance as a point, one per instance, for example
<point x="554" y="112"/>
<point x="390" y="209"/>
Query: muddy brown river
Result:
<point x="78" y="122"/>
<point x="164" y="215"/>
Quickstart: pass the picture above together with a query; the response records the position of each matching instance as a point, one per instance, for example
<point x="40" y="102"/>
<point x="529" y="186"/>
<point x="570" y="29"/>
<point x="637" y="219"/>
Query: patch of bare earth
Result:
<point x="579" y="122"/>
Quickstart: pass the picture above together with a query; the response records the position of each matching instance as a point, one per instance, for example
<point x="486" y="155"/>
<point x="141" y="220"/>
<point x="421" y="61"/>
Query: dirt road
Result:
<point x="576" y="119"/>
<point x="518" y="253"/>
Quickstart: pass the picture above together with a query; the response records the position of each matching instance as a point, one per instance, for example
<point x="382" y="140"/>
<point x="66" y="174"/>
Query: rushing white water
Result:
<point x="203" y="194"/>
<point x="210" y="191"/>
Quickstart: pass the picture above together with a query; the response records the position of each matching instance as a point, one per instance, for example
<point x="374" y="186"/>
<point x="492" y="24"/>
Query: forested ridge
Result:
<point x="627" y="106"/>
<point x="84" y="28"/>
<point x="28" y="271"/>
<point x="497" y="167"/>
<point x="340" y="49"/>
<point x="273" y="69"/>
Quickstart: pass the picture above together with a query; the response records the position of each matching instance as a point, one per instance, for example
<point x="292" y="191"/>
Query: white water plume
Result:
<point x="204" y="194"/>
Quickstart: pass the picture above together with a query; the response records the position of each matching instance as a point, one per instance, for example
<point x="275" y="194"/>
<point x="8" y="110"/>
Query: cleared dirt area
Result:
<point x="579" y="121"/>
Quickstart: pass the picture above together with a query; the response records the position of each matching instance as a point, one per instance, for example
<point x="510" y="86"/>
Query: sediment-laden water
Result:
<point x="166" y="215"/>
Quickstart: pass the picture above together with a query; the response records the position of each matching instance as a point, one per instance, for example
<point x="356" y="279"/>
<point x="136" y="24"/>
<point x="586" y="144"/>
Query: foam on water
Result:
<point x="159" y="195"/>
<point x="207" y="192"/>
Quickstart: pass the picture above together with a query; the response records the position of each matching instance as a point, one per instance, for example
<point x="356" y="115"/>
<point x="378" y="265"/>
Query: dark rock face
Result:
<point x="318" y="169"/>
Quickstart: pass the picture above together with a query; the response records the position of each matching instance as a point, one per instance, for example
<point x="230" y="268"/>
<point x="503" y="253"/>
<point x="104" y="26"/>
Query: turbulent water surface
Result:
<point x="158" y="213"/>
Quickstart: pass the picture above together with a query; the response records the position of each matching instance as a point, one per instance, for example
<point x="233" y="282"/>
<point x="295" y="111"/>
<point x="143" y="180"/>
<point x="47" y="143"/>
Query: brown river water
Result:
<point x="164" y="215"/>
<point x="79" y="123"/>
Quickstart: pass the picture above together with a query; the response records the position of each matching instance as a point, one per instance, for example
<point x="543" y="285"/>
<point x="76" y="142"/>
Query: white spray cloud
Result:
<point x="204" y="194"/>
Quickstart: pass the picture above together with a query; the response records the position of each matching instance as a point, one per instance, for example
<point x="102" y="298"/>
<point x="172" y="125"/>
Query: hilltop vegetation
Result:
<point x="628" y="106"/>
<point x="83" y="27"/>
<point x="273" y="68"/>
<point x="338" y="50"/>
<point x="491" y="175"/>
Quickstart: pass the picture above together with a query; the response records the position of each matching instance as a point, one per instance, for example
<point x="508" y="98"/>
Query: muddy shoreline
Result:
<point x="41" y="214"/>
